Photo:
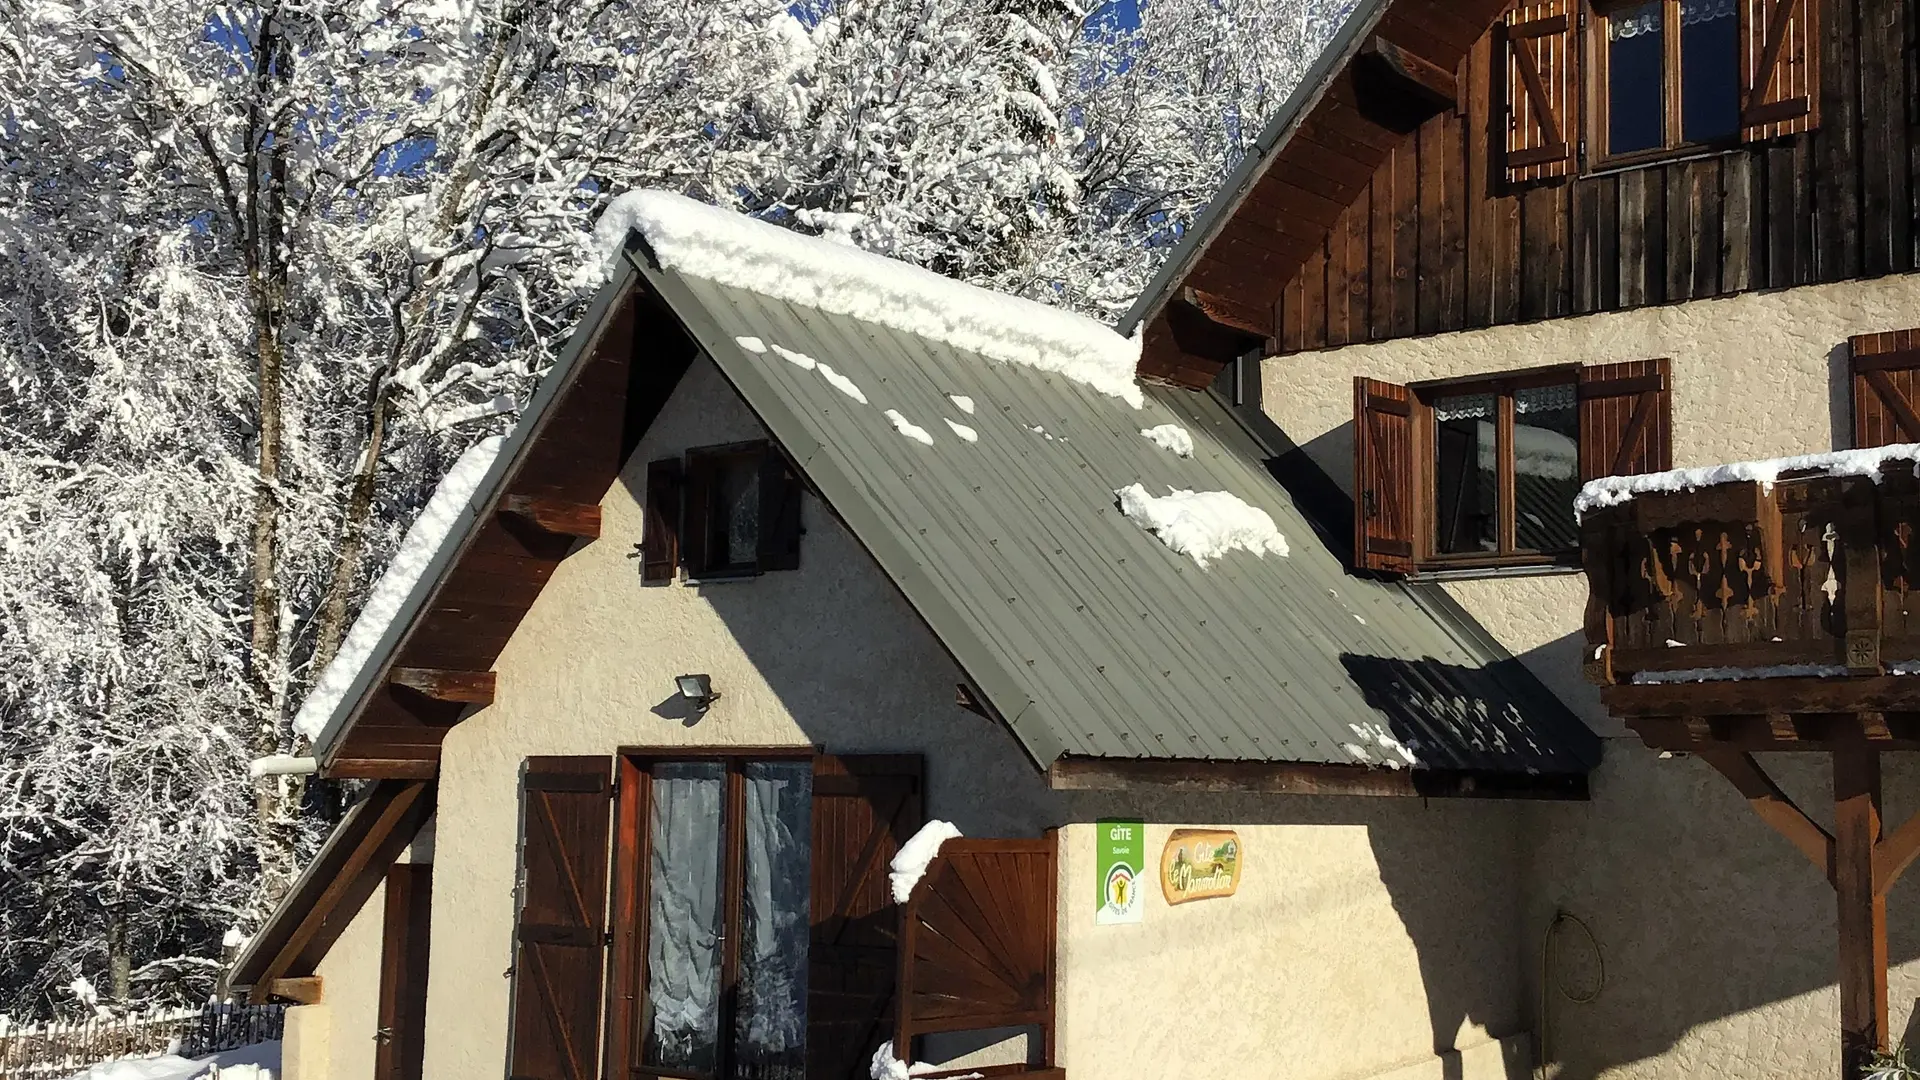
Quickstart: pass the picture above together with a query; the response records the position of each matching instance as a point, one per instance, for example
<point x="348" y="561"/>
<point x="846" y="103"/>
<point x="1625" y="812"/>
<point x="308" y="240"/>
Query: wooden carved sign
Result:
<point x="1199" y="864"/>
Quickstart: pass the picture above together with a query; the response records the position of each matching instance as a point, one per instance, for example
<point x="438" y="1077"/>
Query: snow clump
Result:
<point x="1202" y="524"/>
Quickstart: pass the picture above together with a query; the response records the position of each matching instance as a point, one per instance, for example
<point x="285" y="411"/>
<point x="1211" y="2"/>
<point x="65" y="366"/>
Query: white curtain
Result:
<point x="771" y="1022"/>
<point x="683" y="917"/>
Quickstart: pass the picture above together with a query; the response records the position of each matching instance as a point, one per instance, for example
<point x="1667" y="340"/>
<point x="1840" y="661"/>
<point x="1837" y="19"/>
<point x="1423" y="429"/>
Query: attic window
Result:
<point x="1670" y="73"/>
<point x="729" y="511"/>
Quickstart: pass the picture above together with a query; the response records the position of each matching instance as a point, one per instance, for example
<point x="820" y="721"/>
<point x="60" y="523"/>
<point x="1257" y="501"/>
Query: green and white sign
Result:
<point x="1122" y="861"/>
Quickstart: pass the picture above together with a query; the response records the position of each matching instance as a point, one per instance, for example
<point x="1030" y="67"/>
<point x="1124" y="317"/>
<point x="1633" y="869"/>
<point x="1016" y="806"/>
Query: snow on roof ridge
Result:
<point x="737" y="251"/>
<point x="428" y="533"/>
<point x="1614" y="490"/>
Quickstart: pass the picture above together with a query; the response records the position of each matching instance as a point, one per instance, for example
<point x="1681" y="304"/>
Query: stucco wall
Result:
<point x="1718" y="938"/>
<point x="1364" y="925"/>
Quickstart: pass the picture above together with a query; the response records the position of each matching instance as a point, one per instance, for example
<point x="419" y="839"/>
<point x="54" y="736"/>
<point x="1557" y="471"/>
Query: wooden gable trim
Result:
<point x="314" y="913"/>
<point x="1076" y="773"/>
<point x="547" y="503"/>
<point x="1320" y="167"/>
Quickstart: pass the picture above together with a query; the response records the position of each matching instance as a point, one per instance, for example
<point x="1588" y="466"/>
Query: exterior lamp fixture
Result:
<point x="697" y="689"/>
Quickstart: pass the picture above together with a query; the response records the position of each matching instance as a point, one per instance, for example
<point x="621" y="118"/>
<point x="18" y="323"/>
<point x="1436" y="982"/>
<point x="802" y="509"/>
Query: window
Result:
<point x="1667" y="76"/>
<point x="1613" y="82"/>
<point x="1481" y="473"/>
<point x="724" y="978"/>
<point x="726" y="512"/>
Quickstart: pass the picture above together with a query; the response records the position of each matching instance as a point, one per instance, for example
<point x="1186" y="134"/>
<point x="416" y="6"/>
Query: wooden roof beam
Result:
<point x="555" y="515"/>
<point x="1075" y="773"/>
<point x="469" y="687"/>
<point x="1251" y="320"/>
<point x="1410" y="73"/>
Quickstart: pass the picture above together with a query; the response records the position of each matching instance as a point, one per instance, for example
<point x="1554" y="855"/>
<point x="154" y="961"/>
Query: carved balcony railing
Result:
<point x="1810" y="576"/>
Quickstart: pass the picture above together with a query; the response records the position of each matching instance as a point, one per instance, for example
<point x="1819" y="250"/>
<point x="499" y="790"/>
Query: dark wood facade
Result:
<point x="1440" y="240"/>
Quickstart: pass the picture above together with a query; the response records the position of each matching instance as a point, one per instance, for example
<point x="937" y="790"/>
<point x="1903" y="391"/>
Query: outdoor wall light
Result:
<point x="697" y="689"/>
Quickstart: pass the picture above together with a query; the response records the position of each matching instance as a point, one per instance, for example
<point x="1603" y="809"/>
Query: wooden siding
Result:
<point x="1438" y="241"/>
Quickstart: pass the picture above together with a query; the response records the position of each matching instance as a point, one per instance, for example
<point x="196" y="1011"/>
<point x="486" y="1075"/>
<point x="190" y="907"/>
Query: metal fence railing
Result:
<point x="55" y="1049"/>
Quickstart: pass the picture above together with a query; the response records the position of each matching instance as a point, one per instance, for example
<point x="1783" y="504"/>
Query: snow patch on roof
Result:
<point x="1202" y="524"/>
<point x="963" y="431"/>
<point x="739" y="252"/>
<point x="1396" y="754"/>
<point x="423" y="540"/>
<point x="840" y="382"/>
<point x="797" y="359"/>
<point x="962" y="402"/>
<point x="751" y="344"/>
<point x="1874" y="461"/>
<point x="1170" y="437"/>
<point x="908" y="428"/>
<point x="914" y="856"/>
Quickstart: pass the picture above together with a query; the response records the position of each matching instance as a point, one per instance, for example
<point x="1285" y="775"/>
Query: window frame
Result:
<point x="1594" y="16"/>
<point x="704" y="466"/>
<point x="1502" y="385"/>
<point x="631" y="886"/>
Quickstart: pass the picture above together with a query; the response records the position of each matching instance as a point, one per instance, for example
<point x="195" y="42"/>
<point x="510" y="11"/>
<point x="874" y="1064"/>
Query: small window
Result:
<point x="1668" y="76"/>
<point x="1504" y="468"/>
<point x="732" y="511"/>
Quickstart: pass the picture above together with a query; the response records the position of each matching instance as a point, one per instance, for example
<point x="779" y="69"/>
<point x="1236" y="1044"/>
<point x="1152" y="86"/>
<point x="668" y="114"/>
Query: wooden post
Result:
<point x="1863" y="910"/>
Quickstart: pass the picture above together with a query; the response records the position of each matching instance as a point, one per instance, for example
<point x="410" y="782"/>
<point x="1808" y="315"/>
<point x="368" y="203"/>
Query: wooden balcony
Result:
<point x="1745" y="616"/>
<point x="1763" y="616"/>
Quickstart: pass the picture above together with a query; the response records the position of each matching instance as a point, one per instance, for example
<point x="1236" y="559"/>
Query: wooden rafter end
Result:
<point x="471" y="687"/>
<point x="555" y="515"/>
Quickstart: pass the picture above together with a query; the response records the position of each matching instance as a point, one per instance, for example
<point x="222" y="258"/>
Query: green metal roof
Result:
<point x="1082" y="630"/>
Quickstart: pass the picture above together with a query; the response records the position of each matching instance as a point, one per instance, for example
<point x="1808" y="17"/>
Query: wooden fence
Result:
<point x="57" y="1049"/>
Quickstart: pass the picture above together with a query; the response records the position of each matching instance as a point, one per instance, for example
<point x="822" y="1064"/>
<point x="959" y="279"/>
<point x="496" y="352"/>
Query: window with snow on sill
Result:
<point x="1203" y="525"/>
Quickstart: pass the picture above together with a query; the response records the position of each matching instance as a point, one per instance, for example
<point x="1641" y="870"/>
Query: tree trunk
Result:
<point x="353" y="529"/>
<point x="119" y="960"/>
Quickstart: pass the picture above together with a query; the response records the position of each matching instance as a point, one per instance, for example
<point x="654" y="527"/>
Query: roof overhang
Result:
<point x="1385" y="71"/>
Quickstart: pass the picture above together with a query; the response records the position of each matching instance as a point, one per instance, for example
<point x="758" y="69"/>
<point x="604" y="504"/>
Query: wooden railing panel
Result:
<point x="1745" y="576"/>
<point x="977" y="941"/>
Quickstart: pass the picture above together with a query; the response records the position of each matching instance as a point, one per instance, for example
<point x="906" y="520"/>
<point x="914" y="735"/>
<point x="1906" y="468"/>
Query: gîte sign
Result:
<point x="1199" y="864"/>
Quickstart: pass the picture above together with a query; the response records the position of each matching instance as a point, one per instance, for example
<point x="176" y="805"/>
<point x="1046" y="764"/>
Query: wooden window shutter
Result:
<point x="1779" y="67"/>
<point x="400" y="1038"/>
<point x="1626" y="419"/>
<point x="864" y="808"/>
<point x="780" y="497"/>
<point x="560" y="934"/>
<point x="1543" y="91"/>
<point x="1886" y="388"/>
<point x="1383" y="517"/>
<point x="660" y="532"/>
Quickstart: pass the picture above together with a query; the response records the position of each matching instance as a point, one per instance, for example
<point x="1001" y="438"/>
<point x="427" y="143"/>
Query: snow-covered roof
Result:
<point x="731" y="249"/>
<point x="1873" y="461"/>
<point x="1110" y="588"/>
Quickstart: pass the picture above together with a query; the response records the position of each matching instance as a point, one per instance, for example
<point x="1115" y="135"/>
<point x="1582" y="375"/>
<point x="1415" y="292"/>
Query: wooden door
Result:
<point x="402" y="1027"/>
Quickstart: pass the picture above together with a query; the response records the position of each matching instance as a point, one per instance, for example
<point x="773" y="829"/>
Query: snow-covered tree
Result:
<point x="267" y="267"/>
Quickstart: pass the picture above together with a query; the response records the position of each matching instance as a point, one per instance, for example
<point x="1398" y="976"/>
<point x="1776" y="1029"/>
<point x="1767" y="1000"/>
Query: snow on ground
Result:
<point x="914" y="856"/>
<point x="797" y="359"/>
<point x="908" y="428"/>
<point x="962" y="402"/>
<point x="260" y="1061"/>
<point x="963" y="431"/>
<point x="1614" y="490"/>
<point x="1202" y="524"/>
<point x="423" y="540"/>
<point x="840" y="382"/>
<point x="1171" y="437"/>
<point x="739" y="252"/>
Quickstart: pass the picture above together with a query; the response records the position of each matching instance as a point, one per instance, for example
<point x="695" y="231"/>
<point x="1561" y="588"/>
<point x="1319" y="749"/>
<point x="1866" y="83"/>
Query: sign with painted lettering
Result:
<point x="1198" y="864"/>
<point x="1122" y="862"/>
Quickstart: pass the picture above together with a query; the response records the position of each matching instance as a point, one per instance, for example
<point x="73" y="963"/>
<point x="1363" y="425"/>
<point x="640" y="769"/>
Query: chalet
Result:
<point x="1249" y="649"/>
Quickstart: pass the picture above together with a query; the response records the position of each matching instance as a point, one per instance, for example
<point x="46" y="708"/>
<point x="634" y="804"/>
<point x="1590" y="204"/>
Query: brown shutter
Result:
<point x="1780" y="67"/>
<point x="660" y="533"/>
<point x="402" y="1032"/>
<point x="1383" y="471"/>
<point x="1886" y="388"/>
<point x="1543" y="82"/>
<point x="864" y="808"/>
<point x="1626" y="419"/>
<point x="779" y="513"/>
<point x="561" y="930"/>
<point x="695" y="528"/>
